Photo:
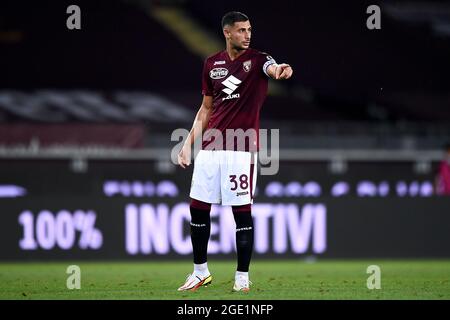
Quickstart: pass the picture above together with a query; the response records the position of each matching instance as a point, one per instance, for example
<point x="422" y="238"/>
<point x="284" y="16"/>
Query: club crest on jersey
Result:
<point x="218" y="73"/>
<point x="247" y="65"/>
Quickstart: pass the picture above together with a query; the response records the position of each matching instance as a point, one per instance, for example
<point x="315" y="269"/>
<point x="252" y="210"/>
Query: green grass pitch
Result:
<point x="286" y="279"/>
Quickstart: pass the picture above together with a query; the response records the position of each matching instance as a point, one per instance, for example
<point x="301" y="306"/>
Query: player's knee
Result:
<point x="244" y="230"/>
<point x="200" y="215"/>
<point x="243" y="218"/>
<point x="244" y="208"/>
<point x="200" y="205"/>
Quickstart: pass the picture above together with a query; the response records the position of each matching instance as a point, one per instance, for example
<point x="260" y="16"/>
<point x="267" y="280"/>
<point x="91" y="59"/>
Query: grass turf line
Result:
<point x="294" y="279"/>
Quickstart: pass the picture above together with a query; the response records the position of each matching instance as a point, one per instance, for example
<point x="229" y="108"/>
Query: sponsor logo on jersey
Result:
<point x="232" y="96"/>
<point x="247" y="65"/>
<point x="218" y="73"/>
<point x="231" y="83"/>
<point x="241" y="193"/>
<point x="219" y="62"/>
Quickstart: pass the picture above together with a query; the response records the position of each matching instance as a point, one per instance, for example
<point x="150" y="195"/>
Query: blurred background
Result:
<point x="86" y="118"/>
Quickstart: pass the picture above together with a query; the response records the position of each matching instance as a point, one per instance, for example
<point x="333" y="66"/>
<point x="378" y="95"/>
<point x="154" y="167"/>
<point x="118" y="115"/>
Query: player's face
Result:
<point x="239" y="35"/>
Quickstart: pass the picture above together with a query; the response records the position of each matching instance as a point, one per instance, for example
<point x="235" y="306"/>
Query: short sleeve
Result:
<point x="267" y="62"/>
<point x="207" y="87"/>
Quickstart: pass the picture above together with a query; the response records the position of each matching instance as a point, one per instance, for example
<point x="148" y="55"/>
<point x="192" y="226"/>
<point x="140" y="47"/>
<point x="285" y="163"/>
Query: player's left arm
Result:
<point x="281" y="71"/>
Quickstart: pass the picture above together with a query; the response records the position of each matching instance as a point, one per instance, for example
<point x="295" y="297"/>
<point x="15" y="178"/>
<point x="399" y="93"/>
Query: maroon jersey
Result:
<point x="239" y="89"/>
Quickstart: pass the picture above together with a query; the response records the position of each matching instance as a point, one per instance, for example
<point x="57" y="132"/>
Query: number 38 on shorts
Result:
<point x="224" y="177"/>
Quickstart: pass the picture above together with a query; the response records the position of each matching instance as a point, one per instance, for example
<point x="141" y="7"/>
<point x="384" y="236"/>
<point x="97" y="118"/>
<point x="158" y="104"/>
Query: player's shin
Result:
<point x="244" y="236"/>
<point x="200" y="231"/>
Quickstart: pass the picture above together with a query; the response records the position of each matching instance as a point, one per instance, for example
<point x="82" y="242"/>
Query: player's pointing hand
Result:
<point x="283" y="71"/>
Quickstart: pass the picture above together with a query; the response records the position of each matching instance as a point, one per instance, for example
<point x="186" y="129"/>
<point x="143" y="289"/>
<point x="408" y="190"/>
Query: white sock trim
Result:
<point x="201" y="268"/>
<point x="243" y="274"/>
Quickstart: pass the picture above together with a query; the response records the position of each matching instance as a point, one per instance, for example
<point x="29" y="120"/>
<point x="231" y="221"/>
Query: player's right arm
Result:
<point x="200" y="123"/>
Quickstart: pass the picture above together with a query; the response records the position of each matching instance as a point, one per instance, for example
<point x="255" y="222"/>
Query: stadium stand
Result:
<point x="352" y="87"/>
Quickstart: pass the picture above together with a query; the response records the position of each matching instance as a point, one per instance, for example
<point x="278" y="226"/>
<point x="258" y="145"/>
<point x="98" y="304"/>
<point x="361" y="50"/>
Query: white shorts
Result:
<point x="224" y="177"/>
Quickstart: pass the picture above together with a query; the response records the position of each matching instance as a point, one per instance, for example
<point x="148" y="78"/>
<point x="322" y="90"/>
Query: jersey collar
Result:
<point x="228" y="59"/>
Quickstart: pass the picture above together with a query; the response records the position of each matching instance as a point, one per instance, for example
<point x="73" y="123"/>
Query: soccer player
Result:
<point x="234" y="87"/>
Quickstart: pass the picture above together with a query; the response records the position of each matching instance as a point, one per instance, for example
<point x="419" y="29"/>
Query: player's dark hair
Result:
<point x="234" y="16"/>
